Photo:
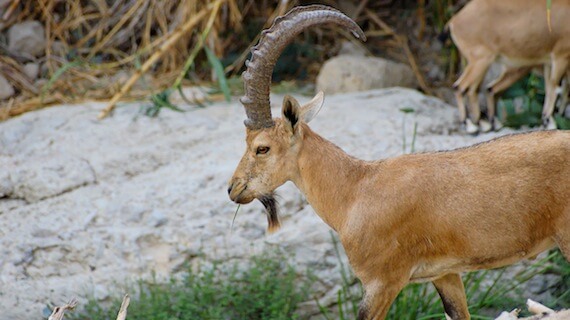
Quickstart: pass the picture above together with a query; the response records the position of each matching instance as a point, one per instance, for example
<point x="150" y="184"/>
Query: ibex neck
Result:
<point x="328" y="177"/>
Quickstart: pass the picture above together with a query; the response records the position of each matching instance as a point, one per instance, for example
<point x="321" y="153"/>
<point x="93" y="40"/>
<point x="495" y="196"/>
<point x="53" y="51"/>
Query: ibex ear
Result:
<point x="291" y="112"/>
<point x="312" y="108"/>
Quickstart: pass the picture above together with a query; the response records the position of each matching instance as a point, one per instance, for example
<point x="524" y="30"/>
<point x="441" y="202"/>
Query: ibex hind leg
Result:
<point x="564" y="95"/>
<point x="480" y="68"/>
<point x="552" y="81"/>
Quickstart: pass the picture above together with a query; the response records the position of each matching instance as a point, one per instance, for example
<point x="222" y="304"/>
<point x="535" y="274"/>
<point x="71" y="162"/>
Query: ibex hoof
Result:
<point x="497" y="125"/>
<point x="550" y="123"/>
<point x="485" y="126"/>
<point x="470" y="127"/>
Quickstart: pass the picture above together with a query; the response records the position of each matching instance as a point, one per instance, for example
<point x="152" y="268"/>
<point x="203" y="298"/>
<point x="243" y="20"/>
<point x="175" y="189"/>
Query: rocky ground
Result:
<point x="86" y="204"/>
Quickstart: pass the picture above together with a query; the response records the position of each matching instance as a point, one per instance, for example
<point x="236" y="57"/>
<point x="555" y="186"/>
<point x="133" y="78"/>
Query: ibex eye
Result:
<point x="262" y="150"/>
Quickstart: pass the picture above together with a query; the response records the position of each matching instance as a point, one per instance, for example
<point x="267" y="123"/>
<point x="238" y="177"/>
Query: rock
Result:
<point x="435" y="72"/>
<point x="446" y="94"/>
<point x="153" y="196"/>
<point x="32" y="70"/>
<point x="58" y="48"/>
<point x="40" y="83"/>
<point x="121" y="77"/>
<point x="190" y="93"/>
<point x="157" y="219"/>
<point x="6" y="89"/>
<point x="350" y="48"/>
<point x="6" y="185"/>
<point x="348" y="73"/>
<point x="42" y="178"/>
<point x="27" y="38"/>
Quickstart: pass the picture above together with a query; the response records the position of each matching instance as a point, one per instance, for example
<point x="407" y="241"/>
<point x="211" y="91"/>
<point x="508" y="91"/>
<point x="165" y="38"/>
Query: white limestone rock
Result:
<point x="353" y="73"/>
<point x="27" y="38"/>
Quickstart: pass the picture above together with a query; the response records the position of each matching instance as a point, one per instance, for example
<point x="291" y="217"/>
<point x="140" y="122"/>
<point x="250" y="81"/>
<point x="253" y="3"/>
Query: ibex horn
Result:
<point x="257" y="77"/>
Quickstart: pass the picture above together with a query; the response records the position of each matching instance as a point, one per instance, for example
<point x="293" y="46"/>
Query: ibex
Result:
<point x="516" y="33"/>
<point x="414" y="218"/>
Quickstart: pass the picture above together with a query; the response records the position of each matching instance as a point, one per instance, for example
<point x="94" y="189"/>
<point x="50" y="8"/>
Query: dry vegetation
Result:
<point x="94" y="47"/>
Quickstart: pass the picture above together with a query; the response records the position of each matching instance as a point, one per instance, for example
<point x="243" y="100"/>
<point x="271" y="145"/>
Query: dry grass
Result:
<point x="98" y="49"/>
<point x="59" y="312"/>
<point x="89" y="43"/>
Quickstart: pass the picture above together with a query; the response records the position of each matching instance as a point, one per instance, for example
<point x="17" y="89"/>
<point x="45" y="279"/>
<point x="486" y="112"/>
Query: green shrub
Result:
<point x="531" y="90"/>
<point x="267" y="289"/>
<point x="561" y="290"/>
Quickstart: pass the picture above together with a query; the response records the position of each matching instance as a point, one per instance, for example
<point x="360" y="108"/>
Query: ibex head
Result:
<point x="273" y="145"/>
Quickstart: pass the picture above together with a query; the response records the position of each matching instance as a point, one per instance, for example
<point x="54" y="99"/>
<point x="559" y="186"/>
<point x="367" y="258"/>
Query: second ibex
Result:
<point x="414" y="218"/>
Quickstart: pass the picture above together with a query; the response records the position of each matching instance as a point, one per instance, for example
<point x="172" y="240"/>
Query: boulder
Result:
<point x="350" y="73"/>
<point x="6" y="89"/>
<point x="27" y="38"/>
<point x="32" y="70"/>
<point x="91" y="204"/>
<point x="351" y="48"/>
<point x="41" y="178"/>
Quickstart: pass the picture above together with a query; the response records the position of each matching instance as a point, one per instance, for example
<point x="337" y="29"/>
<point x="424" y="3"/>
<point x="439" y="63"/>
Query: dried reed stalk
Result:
<point x="281" y="10"/>
<point x="123" y="310"/>
<point x="160" y="51"/>
<point x="197" y="48"/>
<point x="59" y="312"/>
<point x="10" y="9"/>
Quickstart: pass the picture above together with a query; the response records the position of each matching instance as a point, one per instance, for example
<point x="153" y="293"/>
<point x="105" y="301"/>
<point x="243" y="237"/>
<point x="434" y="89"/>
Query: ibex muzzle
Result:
<point x="414" y="218"/>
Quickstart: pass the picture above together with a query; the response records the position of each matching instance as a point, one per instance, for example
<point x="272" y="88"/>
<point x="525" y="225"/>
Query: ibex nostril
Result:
<point x="230" y="189"/>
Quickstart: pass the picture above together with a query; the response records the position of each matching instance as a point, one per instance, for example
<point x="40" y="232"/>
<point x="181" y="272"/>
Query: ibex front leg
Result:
<point x="452" y="293"/>
<point x="469" y="82"/>
<point x="378" y="298"/>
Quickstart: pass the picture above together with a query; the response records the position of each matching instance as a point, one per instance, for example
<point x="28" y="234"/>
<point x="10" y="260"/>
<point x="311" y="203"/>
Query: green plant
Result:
<point x="267" y="289"/>
<point x="499" y="289"/>
<point x="57" y="74"/>
<point x="414" y="133"/>
<point x="220" y="74"/>
<point x="561" y="267"/>
<point x="530" y="92"/>
<point x="158" y="101"/>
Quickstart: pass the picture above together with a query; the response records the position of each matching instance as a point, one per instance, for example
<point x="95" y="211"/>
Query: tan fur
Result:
<point x="422" y="217"/>
<point x="514" y="32"/>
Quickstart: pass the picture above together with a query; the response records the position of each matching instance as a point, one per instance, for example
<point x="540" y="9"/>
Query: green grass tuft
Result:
<point x="267" y="289"/>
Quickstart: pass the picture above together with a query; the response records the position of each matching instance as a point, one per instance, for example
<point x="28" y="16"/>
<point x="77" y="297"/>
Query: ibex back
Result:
<point x="414" y="218"/>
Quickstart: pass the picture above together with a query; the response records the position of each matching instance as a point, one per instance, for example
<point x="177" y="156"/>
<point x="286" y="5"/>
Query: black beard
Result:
<point x="270" y="205"/>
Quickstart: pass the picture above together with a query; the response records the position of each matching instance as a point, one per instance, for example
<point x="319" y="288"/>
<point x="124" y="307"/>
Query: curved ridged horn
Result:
<point x="257" y="77"/>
